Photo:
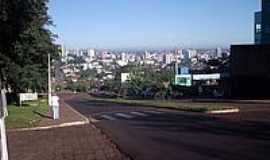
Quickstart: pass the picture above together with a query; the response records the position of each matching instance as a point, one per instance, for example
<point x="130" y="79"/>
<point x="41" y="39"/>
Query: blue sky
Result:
<point x="153" y="23"/>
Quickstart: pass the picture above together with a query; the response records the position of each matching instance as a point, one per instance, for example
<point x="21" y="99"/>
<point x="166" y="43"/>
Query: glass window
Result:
<point x="258" y="28"/>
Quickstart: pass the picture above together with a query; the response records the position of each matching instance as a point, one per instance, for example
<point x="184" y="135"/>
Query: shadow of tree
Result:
<point x="42" y="115"/>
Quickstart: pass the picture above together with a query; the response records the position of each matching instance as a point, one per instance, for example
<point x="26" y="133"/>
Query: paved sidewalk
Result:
<point x="69" y="143"/>
<point x="67" y="115"/>
<point x="76" y="142"/>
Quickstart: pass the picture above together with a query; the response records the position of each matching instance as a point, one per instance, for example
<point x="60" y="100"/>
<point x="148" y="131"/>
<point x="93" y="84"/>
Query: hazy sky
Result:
<point x="153" y="23"/>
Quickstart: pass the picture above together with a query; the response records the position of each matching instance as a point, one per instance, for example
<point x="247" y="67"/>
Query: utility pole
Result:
<point x="49" y="80"/>
<point x="3" y="114"/>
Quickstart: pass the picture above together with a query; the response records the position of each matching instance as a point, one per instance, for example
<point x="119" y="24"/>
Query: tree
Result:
<point x="148" y="82"/>
<point x="88" y="74"/>
<point x="25" y="43"/>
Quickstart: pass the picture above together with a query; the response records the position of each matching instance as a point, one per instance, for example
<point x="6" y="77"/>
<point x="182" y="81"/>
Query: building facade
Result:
<point x="250" y="71"/>
<point x="262" y="24"/>
<point x="258" y="28"/>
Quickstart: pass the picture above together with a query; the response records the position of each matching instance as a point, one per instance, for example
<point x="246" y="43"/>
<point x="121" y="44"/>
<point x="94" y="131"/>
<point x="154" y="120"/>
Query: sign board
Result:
<point x="183" y="80"/>
<point x="199" y="77"/>
<point x="184" y="70"/>
<point x="124" y="77"/>
<point x="28" y="97"/>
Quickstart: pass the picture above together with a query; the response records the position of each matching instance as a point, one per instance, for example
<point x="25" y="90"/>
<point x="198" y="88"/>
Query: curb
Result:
<point x="225" y="111"/>
<point x="68" y="124"/>
<point x="79" y="114"/>
<point x="93" y="120"/>
<point x="77" y="123"/>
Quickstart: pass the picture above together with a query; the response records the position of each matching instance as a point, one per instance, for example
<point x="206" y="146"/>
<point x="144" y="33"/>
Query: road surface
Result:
<point x="152" y="134"/>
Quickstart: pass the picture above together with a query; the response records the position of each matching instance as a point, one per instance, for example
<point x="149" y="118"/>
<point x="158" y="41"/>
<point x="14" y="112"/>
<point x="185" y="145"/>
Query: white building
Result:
<point x="147" y="55"/>
<point x="91" y="53"/>
<point x="192" y="53"/>
<point x="169" y="58"/>
<point x="124" y="57"/>
<point x="219" y="52"/>
<point x="63" y="51"/>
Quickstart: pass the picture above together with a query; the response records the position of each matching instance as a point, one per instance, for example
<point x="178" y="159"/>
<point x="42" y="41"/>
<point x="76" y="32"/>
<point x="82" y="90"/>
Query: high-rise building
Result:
<point x="169" y="58"/>
<point x="250" y="64"/>
<point x="63" y="51"/>
<point x="219" y="52"/>
<point x="262" y="24"/>
<point x="147" y="55"/>
<point x="258" y="27"/>
<point x="192" y="53"/>
<point x="91" y="53"/>
<point x="124" y="57"/>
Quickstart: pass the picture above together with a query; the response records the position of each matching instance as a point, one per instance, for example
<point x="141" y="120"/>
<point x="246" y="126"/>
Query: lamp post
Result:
<point x="49" y="80"/>
<point x="3" y="114"/>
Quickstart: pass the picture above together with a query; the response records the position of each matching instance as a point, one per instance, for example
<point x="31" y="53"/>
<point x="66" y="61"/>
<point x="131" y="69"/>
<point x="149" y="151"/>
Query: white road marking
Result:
<point x="139" y="114"/>
<point x="154" y="112"/>
<point x="124" y="115"/>
<point x="108" y="117"/>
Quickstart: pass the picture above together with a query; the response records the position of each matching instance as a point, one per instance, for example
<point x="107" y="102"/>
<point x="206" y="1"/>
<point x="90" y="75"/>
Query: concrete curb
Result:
<point x="77" y="123"/>
<point x="68" y="124"/>
<point x="93" y="120"/>
<point x="79" y="114"/>
<point x="225" y="111"/>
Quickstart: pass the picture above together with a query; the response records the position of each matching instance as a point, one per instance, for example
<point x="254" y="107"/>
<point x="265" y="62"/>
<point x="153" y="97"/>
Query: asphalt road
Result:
<point x="151" y="134"/>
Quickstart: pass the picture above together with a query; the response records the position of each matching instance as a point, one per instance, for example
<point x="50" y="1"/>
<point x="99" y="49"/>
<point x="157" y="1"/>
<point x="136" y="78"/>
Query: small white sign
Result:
<point x="28" y="97"/>
<point x="125" y="77"/>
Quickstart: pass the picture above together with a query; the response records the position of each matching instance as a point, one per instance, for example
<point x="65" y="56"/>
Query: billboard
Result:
<point x="183" y="80"/>
<point x="200" y="77"/>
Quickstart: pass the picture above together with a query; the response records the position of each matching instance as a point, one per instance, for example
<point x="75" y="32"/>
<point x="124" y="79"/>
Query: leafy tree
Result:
<point x="88" y="74"/>
<point x="145" y="82"/>
<point x="25" y="43"/>
<point x="76" y="87"/>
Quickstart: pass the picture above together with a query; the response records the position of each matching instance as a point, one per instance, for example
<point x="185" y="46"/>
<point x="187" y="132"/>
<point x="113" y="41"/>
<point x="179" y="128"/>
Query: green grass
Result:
<point x="172" y="104"/>
<point x="27" y="115"/>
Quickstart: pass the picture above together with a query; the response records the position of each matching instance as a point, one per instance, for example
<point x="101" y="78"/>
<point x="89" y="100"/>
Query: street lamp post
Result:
<point x="3" y="115"/>
<point x="49" y="80"/>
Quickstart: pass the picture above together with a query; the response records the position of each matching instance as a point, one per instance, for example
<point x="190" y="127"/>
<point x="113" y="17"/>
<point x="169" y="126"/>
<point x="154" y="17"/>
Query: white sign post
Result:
<point x="3" y="114"/>
<point x="55" y="107"/>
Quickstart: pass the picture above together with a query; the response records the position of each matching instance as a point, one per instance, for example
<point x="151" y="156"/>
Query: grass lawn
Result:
<point x="173" y="104"/>
<point x="26" y="116"/>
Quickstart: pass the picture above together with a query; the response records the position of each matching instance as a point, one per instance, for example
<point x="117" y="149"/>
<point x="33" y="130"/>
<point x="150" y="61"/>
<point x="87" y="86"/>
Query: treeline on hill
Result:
<point x="25" y="41"/>
<point x="144" y="82"/>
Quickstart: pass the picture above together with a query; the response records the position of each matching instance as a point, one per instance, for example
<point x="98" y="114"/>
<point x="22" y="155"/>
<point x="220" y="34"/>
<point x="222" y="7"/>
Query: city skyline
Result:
<point x="153" y="24"/>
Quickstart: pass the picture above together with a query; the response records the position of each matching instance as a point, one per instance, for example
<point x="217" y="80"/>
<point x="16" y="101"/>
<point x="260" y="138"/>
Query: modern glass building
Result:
<point x="262" y="24"/>
<point x="258" y="27"/>
<point x="250" y="64"/>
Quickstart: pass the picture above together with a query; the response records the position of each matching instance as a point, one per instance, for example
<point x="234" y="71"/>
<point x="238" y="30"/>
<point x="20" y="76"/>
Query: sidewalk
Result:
<point x="83" y="142"/>
<point x="67" y="116"/>
<point x="70" y="138"/>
